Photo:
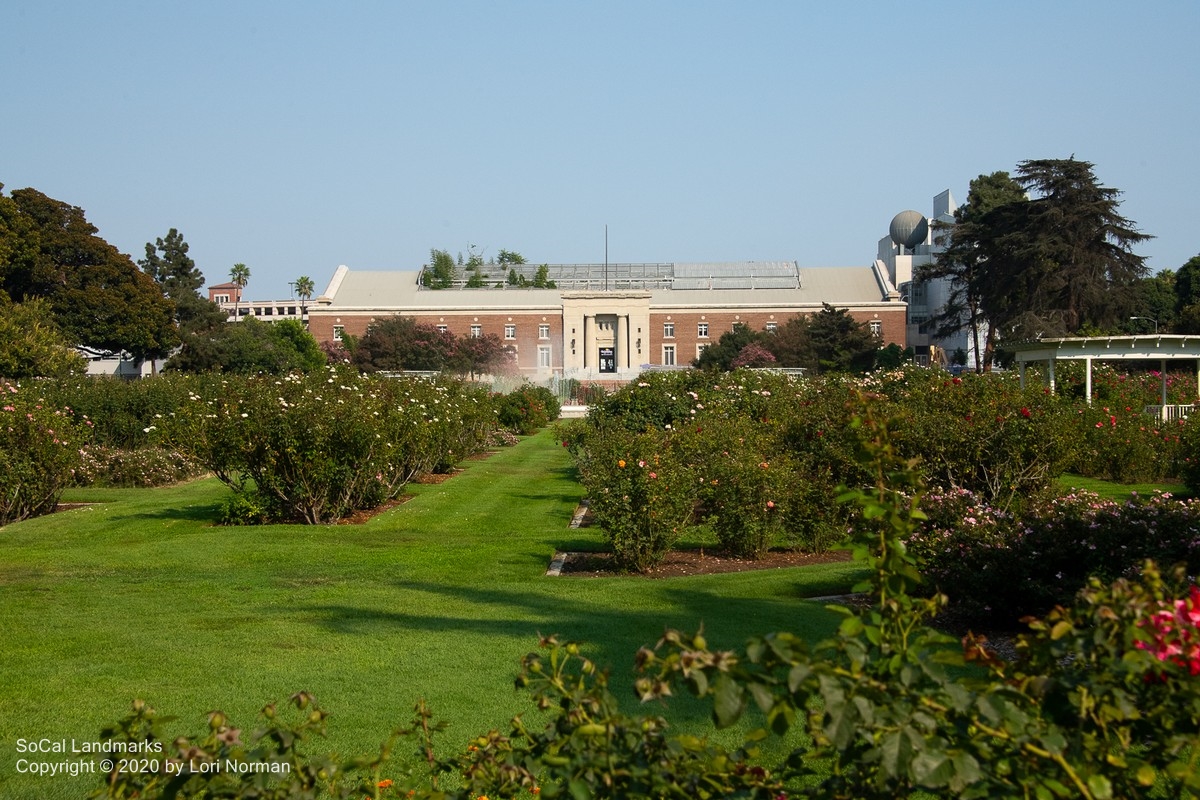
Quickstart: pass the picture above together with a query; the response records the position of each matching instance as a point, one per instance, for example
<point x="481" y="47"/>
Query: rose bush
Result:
<point x="41" y="446"/>
<point x="127" y="419"/>
<point x="640" y="492"/>
<point x="313" y="448"/>
<point x="998" y="566"/>
<point x="527" y="409"/>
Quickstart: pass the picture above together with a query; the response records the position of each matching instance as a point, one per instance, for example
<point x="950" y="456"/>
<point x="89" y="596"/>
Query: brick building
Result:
<point x="611" y="321"/>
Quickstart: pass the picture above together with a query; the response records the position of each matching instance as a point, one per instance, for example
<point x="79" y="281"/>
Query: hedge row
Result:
<point x="300" y="448"/>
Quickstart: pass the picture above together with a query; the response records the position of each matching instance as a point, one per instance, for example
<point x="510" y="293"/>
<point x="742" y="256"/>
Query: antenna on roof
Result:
<point x="606" y="256"/>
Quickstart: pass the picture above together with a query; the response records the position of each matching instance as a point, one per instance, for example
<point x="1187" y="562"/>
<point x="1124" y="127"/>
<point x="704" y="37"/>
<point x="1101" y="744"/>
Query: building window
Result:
<point x="918" y="294"/>
<point x="221" y="298"/>
<point x="877" y="328"/>
<point x="702" y="330"/>
<point x="510" y="331"/>
<point x="668" y="330"/>
<point x="543" y="356"/>
<point x="338" y="330"/>
<point x="772" y="326"/>
<point x="668" y="355"/>
<point x="700" y="348"/>
<point x="443" y="329"/>
<point x="476" y="331"/>
<point x="543" y="331"/>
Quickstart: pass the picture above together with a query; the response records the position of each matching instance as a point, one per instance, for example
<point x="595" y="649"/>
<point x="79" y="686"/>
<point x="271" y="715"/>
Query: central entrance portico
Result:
<point x="605" y="332"/>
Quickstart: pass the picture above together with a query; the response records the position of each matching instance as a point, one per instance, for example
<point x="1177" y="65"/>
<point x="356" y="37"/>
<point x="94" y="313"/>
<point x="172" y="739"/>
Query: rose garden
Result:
<point x="200" y="563"/>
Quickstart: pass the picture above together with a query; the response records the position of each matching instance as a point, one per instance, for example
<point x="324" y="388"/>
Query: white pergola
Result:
<point x="1154" y="347"/>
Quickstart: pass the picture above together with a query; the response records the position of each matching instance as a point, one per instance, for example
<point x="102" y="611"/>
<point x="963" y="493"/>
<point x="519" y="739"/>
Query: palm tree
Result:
<point x="239" y="276"/>
<point x="304" y="288"/>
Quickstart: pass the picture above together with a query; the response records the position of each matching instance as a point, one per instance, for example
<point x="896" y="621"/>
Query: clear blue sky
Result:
<point x="296" y="136"/>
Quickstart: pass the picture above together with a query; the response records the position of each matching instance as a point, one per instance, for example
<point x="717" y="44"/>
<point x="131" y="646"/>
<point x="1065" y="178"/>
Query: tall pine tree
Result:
<point x="168" y="262"/>
<point x="1044" y="254"/>
<point x="1074" y="250"/>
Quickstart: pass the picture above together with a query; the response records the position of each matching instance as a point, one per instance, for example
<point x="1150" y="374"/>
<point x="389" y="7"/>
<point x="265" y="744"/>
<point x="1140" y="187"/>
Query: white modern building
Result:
<point x="910" y="244"/>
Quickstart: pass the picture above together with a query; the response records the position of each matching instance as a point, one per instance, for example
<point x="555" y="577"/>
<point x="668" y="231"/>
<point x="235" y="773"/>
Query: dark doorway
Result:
<point x="608" y="360"/>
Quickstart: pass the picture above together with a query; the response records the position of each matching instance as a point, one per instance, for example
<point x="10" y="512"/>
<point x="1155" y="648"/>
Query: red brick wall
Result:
<point x="687" y="325"/>
<point x="526" y="340"/>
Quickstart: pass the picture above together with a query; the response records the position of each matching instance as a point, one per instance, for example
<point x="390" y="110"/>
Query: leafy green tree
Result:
<point x="967" y="262"/>
<point x="841" y="343"/>
<point x="174" y="269"/>
<point x="99" y="296"/>
<point x="441" y="270"/>
<point x="1055" y="264"/>
<point x="894" y="356"/>
<point x="1153" y="297"/>
<point x="509" y="257"/>
<point x="31" y="345"/>
<point x="541" y="280"/>
<point x="18" y="246"/>
<point x="720" y="356"/>
<point x="1187" y="296"/>
<point x="829" y="341"/>
<point x="301" y="349"/>
<point x="1063" y="259"/>
<point x="251" y="347"/>
<point x="401" y="343"/>
<point x="239" y="276"/>
<point x="791" y="344"/>
<point x="480" y="355"/>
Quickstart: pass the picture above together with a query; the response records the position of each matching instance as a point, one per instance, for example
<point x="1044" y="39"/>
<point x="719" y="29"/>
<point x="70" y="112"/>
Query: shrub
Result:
<point x="1118" y="441"/>
<point x="726" y="427"/>
<point x="982" y="432"/>
<point x="998" y="567"/>
<point x="1189" y="455"/>
<point x="1122" y="444"/>
<point x="40" y="449"/>
<point x="313" y="448"/>
<point x="124" y="414"/>
<point x="815" y="430"/>
<point x="744" y="487"/>
<point x="145" y="467"/>
<point x="655" y="400"/>
<point x="640" y="493"/>
<point x="527" y="409"/>
<point x="810" y="521"/>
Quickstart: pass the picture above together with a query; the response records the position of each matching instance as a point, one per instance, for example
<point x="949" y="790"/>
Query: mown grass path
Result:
<point x="140" y="596"/>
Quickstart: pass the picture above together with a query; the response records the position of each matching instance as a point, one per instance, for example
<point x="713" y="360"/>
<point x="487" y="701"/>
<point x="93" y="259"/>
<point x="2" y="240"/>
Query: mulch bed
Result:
<point x="679" y="563"/>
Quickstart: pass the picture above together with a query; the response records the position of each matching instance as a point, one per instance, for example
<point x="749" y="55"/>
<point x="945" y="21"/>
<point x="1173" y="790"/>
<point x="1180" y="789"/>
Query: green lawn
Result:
<point x="139" y="596"/>
<point x="1121" y="491"/>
